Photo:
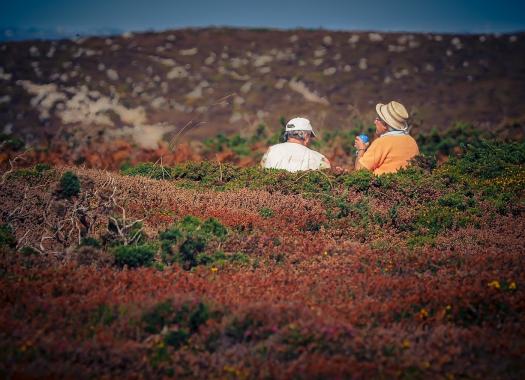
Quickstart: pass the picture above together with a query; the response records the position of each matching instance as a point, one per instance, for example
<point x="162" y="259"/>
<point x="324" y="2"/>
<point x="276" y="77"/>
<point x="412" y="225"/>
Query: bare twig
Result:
<point x="19" y="242"/>
<point x="162" y="170"/>
<point x="12" y="166"/>
<point x="42" y="249"/>
<point x="188" y="125"/>
<point x="222" y="100"/>
<point x="123" y="228"/>
<point x="328" y="178"/>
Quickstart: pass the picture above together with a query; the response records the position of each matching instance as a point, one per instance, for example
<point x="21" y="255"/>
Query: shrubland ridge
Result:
<point x="149" y="86"/>
<point x="209" y="270"/>
<point x="241" y="149"/>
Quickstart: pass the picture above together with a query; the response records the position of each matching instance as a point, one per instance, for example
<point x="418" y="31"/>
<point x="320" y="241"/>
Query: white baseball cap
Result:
<point x="300" y="124"/>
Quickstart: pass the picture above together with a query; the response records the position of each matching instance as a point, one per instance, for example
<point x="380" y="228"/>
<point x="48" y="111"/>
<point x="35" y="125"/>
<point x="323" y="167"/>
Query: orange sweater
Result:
<point x="388" y="154"/>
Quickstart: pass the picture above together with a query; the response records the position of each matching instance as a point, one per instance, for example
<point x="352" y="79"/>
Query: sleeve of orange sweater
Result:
<point x="374" y="156"/>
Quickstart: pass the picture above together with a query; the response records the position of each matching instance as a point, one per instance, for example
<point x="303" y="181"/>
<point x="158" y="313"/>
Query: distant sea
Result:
<point x="21" y="34"/>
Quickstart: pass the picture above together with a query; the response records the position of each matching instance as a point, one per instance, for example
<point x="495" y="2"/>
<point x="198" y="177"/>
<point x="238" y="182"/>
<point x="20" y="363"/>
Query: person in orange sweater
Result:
<point x="393" y="148"/>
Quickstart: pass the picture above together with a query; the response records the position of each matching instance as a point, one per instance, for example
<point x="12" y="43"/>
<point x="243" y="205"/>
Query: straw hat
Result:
<point x="394" y="114"/>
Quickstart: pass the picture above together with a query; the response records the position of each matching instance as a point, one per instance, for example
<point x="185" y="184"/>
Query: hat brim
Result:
<point x="388" y="120"/>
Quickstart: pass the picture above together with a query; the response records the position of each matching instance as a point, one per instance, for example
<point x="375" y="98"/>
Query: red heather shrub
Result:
<point x="323" y="291"/>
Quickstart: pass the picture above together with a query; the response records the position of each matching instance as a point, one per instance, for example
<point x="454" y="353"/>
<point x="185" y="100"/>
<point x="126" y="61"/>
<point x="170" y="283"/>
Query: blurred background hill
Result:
<point x="105" y="84"/>
<point x="196" y="83"/>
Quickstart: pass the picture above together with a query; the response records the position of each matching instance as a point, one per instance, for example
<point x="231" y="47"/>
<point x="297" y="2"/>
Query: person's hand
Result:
<point x="338" y="170"/>
<point x="359" y="144"/>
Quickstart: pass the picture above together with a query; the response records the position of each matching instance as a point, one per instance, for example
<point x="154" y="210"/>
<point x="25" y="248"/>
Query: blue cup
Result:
<point x="364" y="138"/>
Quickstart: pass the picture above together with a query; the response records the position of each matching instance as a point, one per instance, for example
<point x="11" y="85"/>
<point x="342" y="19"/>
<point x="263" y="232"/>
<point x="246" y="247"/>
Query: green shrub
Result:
<point x="502" y="202"/>
<point x="177" y="338"/>
<point x="28" y="251"/>
<point x="189" y="223"/>
<point x="134" y="256"/>
<point x="266" y="212"/>
<point x="12" y="142"/>
<point x="104" y="315"/>
<point x="34" y="172"/>
<point x="7" y="239"/>
<point x="443" y="142"/>
<point x="213" y="227"/>
<point x="158" y="317"/>
<point x="239" y="258"/>
<point x="421" y="241"/>
<point x="170" y="235"/>
<point x="42" y="167"/>
<point x="455" y="200"/>
<point x="189" y="249"/>
<point x="260" y="134"/>
<point x="69" y="185"/>
<point x="187" y="239"/>
<point x="148" y="169"/>
<point x="488" y="160"/>
<point x="90" y="242"/>
<point x="435" y="218"/>
<point x="220" y="258"/>
<point x="359" y="212"/>
<point x="425" y="162"/>
<point x="236" y="143"/>
<point x="205" y="259"/>
<point x="198" y="316"/>
<point x="187" y="317"/>
<point x="359" y="180"/>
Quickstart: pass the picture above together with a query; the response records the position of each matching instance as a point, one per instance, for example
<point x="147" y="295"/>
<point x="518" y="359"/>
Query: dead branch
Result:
<point x="123" y="227"/>
<point x="12" y="166"/>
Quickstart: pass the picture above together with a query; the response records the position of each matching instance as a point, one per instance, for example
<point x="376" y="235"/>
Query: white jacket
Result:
<point x="293" y="157"/>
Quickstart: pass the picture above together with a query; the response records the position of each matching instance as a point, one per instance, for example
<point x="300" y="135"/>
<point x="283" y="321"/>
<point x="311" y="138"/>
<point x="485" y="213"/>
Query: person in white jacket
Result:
<point x="294" y="154"/>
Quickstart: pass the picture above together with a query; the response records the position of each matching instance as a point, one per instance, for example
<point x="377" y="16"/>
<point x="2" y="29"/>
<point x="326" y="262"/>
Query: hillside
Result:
<point x="189" y="84"/>
<point x="207" y="270"/>
<point x="139" y="238"/>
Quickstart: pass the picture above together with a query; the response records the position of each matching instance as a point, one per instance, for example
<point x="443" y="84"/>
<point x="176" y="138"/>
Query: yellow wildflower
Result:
<point x="423" y="313"/>
<point x="512" y="285"/>
<point x="405" y="344"/>
<point x="494" y="284"/>
<point x="214" y="269"/>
